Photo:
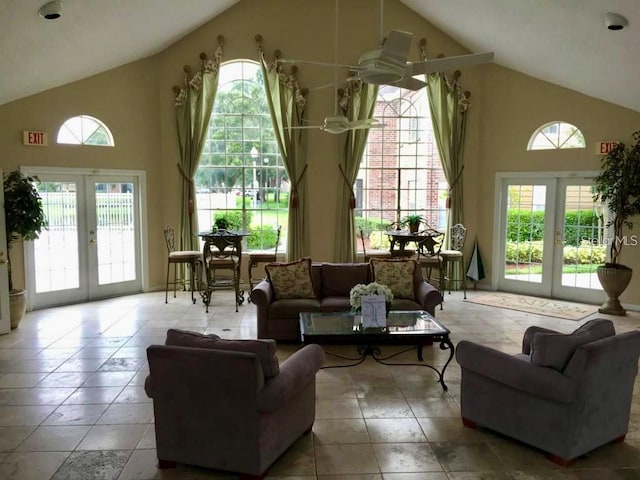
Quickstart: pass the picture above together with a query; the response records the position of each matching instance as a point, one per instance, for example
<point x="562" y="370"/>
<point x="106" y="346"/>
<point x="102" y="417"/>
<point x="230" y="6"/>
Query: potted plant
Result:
<point x="618" y="187"/>
<point x="413" y="222"/>
<point x="24" y="219"/>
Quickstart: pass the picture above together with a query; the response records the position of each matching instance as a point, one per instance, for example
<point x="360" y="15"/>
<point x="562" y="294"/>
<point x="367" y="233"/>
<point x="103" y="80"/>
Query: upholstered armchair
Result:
<point x="228" y="404"/>
<point x="564" y="394"/>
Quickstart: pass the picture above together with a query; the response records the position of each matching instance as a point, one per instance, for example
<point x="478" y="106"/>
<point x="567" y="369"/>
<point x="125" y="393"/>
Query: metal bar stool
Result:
<point x="453" y="260"/>
<point x="191" y="258"/>
<point x="257" y="257"/>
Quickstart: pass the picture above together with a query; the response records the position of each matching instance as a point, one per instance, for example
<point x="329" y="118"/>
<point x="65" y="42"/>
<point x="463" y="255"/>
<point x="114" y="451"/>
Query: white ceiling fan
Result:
<point x="388" y="65"/>
<point x="337" y="124"/>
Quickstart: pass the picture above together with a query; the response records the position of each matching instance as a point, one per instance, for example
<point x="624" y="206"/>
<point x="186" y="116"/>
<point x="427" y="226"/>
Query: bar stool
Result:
<point x="256" y="257"/>
<point x="429" y="259"/>
<point x="192" y="258"/>
<point x="453" y="260"/>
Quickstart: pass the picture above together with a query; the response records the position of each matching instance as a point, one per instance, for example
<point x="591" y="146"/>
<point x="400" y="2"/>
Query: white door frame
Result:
<point x="549" y="179"/>
<point x="139" y="175"/>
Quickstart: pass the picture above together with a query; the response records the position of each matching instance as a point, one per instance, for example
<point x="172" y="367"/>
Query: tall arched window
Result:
<point x="241" y="177"/>
<point x="85" y="130"/>
<point x="400" y="172"/>
<point x="556" y="135"/>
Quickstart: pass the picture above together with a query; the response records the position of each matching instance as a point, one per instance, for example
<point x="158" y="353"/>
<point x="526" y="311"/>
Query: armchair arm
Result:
<point x="428" y="297"/>
<point x="262" y="297"/>
<point x="516" y="372"/>
<point x="528" y="337"/>
<point x="295" y="373"/>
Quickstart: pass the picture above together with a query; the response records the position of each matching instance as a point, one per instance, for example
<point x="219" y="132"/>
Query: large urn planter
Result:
<point x="614" y="280"/>
<point x="17" y="306"/>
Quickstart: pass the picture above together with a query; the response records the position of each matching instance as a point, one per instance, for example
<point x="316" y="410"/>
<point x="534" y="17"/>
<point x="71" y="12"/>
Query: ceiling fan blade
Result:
<point x="322" y="64"/>
<point x="397" y="45"/>
<point x="368" y="122"/>
<point x="449" y="63"/>
<point x="305" y="127"/>
<point x="410" y="83"/>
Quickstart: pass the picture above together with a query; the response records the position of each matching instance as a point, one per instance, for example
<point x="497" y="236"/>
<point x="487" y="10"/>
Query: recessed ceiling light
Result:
<point x="614" y="21"/>
<point x="51" y="10"/>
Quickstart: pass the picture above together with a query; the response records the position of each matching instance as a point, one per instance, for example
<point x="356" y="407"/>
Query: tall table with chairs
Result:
<point x="222" y="252"/>
<point x="453" y="259"/>
<point x="258" y="257"/>
<point x="401" y="238"/>
<point x="180" y="258"/>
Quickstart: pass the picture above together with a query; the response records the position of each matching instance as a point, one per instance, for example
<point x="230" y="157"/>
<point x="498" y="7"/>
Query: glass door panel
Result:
<point x="579" y="240"/>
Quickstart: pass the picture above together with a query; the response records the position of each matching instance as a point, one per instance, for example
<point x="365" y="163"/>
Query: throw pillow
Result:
<point x="265" y="350"/>
<point x="291" y="280"/>
<point x="555" y="349"/>
<point x="398" y="275"/>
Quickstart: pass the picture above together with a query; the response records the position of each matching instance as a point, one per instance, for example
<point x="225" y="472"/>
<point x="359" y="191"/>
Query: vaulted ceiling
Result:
<point x="561" y="41"/>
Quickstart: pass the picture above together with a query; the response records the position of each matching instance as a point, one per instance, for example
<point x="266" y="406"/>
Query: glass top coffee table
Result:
<point x="404" y="327"/>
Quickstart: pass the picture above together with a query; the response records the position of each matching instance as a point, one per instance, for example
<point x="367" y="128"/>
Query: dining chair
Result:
<point x="453" y="259"/>
<point x="368" y="255"/>
<point x="260" y="256"/>
<point x="222" y="257"/>
<point x="179" y="259"/>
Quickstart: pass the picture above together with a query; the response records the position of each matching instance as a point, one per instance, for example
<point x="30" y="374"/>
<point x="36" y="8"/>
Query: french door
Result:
<point x="551" y="237"/>
<point x="91" y="248"/>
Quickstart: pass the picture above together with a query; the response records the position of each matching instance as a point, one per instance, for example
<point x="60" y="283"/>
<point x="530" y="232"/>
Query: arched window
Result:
<point x="85" y="130"/>
<point x="241" y="177"/>
<point x="556" y="135"/>
<point x="401" y="171"/>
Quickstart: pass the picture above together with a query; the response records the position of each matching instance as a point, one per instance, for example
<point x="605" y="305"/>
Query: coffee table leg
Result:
<point x="420" y="352"/>
<point x="444" y="345"/>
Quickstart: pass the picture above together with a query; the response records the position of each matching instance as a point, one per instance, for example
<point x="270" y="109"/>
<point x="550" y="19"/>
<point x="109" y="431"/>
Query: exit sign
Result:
<point x="605" y="147"/>
<point x="38" y="139"/>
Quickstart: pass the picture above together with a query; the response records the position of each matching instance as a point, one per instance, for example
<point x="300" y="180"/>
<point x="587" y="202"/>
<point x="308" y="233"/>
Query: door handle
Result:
<point x="93" y="240"/>
<point x="2" y="259"/>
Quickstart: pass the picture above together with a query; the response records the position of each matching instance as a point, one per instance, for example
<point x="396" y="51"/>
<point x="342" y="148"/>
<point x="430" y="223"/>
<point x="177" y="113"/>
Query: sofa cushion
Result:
<point x="291" y="280"/>
<point x="339" y="278"/>
<point x="398" y="275"/>
<point x="555" y="349"/>
<point x="265" y="350"/>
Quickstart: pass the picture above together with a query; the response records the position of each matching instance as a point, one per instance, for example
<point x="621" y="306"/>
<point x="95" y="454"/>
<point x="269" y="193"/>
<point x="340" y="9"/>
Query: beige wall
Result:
<point x="136" y="102"/>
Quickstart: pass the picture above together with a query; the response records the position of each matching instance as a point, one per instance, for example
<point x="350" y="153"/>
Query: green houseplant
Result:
<point x="24" y="219"/>
<point x="618" y="187"/>
<point x="413" y="222"/>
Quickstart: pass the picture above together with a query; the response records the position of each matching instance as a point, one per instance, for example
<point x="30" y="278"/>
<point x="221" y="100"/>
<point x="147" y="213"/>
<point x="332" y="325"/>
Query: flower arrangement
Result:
<point x="360" y="290"/>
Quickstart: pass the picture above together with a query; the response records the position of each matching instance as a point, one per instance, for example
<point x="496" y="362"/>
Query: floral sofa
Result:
<point x="303" y="286"/>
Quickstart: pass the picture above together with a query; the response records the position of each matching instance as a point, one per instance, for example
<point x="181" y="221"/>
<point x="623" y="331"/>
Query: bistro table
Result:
<point x="424" y="238"/>
<point x="222" y="250"/>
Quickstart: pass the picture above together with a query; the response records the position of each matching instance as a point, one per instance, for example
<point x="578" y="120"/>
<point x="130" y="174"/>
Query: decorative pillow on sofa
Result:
<point x="291" y="280"/>
<point x="398" y="275"/>
<point x="265" y="350"/>
<point x="555" y="349"/>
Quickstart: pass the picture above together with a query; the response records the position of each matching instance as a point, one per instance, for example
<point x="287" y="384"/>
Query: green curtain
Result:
<point x="449" y="105"/>
<point x="357" y="102"/>
<point x="194" y="103"/>
<point x="287" y="104"/>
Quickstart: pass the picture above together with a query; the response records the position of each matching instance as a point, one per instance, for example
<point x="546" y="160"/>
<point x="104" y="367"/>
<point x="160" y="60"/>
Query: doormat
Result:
<point x="541" y="306"/>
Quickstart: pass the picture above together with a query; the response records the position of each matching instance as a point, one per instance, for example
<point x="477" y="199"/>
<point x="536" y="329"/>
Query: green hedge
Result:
<point x="528" y="225"/>
<point x="585" y="254"/>
<point x="262" y="238"/>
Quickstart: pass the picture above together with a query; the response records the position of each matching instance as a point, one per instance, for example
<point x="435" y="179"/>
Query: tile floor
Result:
<point x="72" y="403"/>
